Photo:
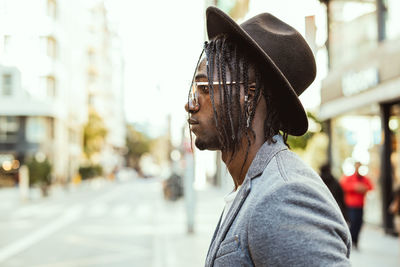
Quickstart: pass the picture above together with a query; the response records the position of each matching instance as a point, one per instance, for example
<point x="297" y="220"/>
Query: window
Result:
<point x="392" y="19"/>
<point x="7" y="42"/>
<point x="49" y="46"/>
<point x="52" y="8"/>
<point x="51" y="86"/>
<point x="357" y="136"/>
<point x="50" y="128"/>
<point x="9" y="128"/>
<point x="36" y="129"/>
<point x="7" y="84"/>
<point x="353" y="29"/>
<point x="48" y="87"/>
<point x="92" y="74"/>
<point x="91" y="55"/>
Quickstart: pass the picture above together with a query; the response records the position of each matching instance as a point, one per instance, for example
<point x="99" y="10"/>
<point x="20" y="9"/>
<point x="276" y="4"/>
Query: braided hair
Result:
<point x="233" y="120"/>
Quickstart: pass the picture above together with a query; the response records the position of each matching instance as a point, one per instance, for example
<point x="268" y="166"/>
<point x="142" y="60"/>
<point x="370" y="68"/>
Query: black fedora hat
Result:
<point x="282" y="55"/>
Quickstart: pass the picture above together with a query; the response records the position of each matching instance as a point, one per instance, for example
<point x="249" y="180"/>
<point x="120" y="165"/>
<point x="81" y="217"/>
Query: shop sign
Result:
<point x="356" y="82"/>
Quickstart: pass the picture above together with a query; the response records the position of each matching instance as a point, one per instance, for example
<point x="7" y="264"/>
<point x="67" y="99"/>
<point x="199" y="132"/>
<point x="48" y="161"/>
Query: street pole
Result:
<point x="189" y="193"/>
<point x="24" y="182"/>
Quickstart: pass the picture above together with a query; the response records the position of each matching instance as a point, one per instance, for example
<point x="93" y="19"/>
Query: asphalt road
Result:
<point x="97" y="224"/>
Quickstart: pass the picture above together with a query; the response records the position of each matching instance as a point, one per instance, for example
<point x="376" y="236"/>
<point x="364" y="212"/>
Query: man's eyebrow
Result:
<point x="200" y="75"/>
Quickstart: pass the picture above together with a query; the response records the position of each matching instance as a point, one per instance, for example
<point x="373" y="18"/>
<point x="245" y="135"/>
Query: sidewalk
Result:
<point x="173" y="246"/>
<point x="376" y="249"/>
<point x="176" y="248"/>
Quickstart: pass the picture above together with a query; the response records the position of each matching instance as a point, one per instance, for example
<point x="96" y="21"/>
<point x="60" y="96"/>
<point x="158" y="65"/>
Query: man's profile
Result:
<point x="244" y="102"/>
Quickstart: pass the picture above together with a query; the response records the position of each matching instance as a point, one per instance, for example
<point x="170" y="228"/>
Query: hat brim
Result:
<point x="290" y="109"/>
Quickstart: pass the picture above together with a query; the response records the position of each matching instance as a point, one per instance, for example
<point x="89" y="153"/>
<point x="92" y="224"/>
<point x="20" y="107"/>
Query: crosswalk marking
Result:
<point x="16" y="247"/>
<point x="121" y="211"/>
<point x="92" y="211"/>
<point x="97" y="210"/>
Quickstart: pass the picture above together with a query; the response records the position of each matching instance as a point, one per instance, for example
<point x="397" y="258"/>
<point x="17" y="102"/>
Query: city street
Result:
<point x="104" y="223"/>
<point x="101" y="223"/>
<point x="102" y="100"/>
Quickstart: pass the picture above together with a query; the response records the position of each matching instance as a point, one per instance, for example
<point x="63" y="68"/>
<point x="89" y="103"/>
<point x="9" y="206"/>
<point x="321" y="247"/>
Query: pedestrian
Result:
<point x="333" y="186"/>
<point x="355" y="188"/>
<point x="244" y="102"/>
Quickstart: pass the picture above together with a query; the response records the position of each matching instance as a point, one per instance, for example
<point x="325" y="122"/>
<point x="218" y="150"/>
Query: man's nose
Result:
<point x="190" y="107"/>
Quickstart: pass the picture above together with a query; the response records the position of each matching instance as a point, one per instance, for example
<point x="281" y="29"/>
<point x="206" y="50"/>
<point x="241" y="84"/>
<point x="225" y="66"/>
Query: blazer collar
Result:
<point x="263" y="157"/>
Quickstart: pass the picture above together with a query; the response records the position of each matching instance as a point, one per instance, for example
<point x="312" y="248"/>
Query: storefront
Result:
<point x="360" y="98"/>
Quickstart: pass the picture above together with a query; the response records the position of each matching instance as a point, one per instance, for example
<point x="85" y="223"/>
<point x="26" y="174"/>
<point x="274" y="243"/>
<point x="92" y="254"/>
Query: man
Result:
<point x="244" y="93"/>
<point x="355" y="188"/>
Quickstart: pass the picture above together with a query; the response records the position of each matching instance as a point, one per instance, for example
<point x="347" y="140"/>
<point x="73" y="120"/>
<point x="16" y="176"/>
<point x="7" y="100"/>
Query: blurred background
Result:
<point x="96" y="167"/>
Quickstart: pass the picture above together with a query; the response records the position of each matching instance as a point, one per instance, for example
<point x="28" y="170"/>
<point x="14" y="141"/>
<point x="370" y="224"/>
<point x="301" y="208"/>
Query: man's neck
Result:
<point x="235" y="166"/>
<point x="241" y="161"/>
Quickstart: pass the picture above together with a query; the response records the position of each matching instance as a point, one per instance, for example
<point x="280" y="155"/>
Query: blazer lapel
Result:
<point x="220" y="233"/>
<point x="215" y="234"/>
<point x="262" y="159"/>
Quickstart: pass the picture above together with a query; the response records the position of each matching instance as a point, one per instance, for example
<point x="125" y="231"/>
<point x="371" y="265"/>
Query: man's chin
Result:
<point x="201" y="145"/>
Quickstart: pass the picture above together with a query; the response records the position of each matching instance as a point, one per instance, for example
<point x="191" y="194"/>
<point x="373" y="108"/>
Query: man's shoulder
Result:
<point x="286" y="172"/>
<point x="286" y="166"/>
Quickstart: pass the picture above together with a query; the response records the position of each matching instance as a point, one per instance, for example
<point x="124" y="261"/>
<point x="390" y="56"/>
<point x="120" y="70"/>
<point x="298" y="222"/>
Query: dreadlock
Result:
<point x="233" y="120"/>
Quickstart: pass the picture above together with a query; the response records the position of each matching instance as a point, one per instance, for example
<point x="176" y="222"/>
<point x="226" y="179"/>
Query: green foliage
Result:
<point x="94" y="134"/>
<point x="39" y="172"/>
<point x="137" y="144"/>
<point x="90" y="171"/>
<point x="300" y="142"/>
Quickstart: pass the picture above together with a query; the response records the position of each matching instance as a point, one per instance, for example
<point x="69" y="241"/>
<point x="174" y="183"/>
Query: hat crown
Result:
<point x="282" y="55"/>
<point x="286" y="48"/>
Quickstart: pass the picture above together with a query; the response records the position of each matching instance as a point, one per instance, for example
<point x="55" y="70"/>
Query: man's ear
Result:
<point x="252" y="89"/>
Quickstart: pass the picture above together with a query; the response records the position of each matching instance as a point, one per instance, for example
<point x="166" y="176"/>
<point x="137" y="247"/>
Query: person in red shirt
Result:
<point x="355" y="188"/>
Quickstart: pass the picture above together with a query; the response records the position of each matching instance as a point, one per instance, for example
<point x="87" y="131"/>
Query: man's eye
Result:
<point x="203" y="88"/>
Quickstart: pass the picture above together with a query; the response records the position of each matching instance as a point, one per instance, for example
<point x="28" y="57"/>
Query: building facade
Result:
<point x="360" y="97"/>
<point x="46" y="52"/>
<point x="105" y="71"/>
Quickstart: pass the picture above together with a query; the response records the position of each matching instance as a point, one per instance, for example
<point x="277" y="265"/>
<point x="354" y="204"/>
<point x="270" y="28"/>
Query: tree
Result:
<point x="138" y="144"/>
<point x="313" y="145"/>
<point x="94" y="134"/>
<point x="40" y="174"/>
<point x="39" y="171"/>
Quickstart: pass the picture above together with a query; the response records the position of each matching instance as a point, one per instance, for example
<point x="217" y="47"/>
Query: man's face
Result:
<point x="357" y="166"/>
<point x="202" y="122"/>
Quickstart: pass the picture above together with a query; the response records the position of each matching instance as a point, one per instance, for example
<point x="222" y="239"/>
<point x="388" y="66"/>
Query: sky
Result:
<point x="161" y="43"/>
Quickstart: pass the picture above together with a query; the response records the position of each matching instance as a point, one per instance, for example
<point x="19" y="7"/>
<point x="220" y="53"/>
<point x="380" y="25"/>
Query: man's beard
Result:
<point x="207" y="136"/>
<point x="209" y="143"/>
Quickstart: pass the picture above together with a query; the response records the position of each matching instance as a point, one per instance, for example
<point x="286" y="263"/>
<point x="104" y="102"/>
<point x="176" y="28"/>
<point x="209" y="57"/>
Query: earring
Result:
<point x="248" y="116"/>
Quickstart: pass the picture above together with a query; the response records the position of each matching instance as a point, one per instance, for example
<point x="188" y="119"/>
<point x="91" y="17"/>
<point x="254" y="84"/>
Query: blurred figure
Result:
<point x="334" y="187"/>
<point x="394" y="208"/>
<point x="173" y="187"/>
<point x="355" y="188"/>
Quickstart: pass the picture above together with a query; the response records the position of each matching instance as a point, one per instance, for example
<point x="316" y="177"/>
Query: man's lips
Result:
<point x="192" y="121"/>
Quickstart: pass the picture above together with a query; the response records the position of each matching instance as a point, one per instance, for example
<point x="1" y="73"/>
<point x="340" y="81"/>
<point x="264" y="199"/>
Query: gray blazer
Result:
<point x="283" y="215"/>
